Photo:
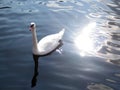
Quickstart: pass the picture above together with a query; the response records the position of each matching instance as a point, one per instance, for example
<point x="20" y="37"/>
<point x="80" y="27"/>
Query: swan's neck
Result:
<point x="34" y="39"/>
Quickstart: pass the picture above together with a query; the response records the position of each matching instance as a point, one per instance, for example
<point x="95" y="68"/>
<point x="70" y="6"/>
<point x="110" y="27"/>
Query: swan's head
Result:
<point x="32" y="26"/>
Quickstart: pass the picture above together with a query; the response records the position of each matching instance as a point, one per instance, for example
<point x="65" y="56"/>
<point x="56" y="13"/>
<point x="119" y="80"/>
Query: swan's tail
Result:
<point x="61" y="33"/>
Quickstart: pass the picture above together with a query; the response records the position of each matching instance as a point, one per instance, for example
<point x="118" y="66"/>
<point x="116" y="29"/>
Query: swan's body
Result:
<point x="46" y="44"/>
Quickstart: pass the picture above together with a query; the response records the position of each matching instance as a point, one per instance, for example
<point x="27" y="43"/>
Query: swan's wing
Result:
<point x="48" y="43"/>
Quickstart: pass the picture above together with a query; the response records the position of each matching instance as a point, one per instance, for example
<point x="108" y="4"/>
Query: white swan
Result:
<point x="47" y="44"/>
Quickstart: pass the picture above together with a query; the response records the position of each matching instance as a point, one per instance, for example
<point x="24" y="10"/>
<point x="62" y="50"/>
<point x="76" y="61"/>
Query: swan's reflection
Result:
<point x="36" y="58"/>
<point x="34" y="79"/>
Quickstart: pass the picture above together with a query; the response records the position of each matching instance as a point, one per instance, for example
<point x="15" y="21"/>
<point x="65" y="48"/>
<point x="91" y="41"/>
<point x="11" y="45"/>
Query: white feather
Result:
<point x="47" y="43"/>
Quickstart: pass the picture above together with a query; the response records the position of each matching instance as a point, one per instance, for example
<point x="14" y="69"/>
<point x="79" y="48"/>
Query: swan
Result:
<point x="47" y="44"/>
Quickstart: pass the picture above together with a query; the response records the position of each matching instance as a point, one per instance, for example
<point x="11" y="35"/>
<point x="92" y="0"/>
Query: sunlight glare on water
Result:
<point x="84" y="42"/>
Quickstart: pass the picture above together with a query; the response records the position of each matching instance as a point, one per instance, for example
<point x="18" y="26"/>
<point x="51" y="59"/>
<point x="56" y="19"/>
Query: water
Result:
<point x="90" y="55"/>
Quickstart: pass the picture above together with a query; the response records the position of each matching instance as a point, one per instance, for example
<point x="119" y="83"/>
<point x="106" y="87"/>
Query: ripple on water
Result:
<point x="110" y="49"/>
<point x="95" y="15"/>
<point x="110" y="80"/>
<point x="99" y="87"/>
<point x="113" y="17"/>
<point x="118" y="74"/>
<point x="115" y="61"/>
<point x="112" y="5"/>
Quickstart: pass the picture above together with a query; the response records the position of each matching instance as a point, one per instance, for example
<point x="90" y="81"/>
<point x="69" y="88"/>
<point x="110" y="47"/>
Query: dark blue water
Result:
<point x="90" y="55"/>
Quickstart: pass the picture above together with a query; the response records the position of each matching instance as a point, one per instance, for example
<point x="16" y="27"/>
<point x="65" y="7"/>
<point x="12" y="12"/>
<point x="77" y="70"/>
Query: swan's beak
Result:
<point x="29" y="28"/>
<point x="32" y="26"/>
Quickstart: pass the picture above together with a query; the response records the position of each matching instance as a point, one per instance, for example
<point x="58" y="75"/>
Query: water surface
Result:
<point x="90" y="55"/>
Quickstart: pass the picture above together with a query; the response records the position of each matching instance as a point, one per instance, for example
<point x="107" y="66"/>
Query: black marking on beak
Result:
<point x="31" y="25"/>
